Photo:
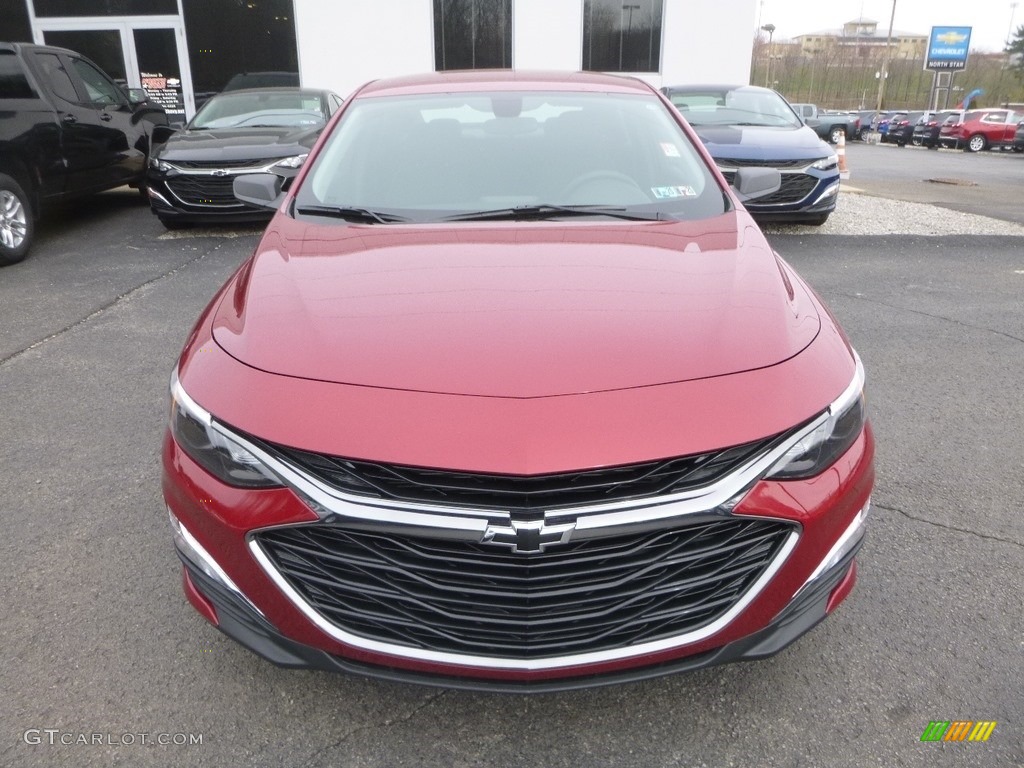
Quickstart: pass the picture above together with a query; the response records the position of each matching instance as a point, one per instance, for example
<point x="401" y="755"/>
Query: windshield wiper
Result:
<point x="351" y="214"/>
<point x="548" y="210"/>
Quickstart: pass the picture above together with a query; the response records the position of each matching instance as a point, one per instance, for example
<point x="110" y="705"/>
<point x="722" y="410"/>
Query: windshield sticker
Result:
<point x="670" y="149"/>
<point x="668" y="193"/>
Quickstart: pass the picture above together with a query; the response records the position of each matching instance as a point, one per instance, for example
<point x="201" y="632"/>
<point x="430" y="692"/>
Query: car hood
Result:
<point x="516" y="311"/>
<point x="238" y="144"/>
<point x="762" y="143"/>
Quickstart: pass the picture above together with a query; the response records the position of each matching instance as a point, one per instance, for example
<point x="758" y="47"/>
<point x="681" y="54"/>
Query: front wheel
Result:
<point x="976" y="143"/>
<point x="817" y="221"/>
<point x="17" y="225"/>
<point x="916" y="141"/>
<point x="836" y="134"/>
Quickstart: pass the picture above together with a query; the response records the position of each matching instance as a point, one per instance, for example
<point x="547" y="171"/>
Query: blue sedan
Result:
<point x="745" y="126"/>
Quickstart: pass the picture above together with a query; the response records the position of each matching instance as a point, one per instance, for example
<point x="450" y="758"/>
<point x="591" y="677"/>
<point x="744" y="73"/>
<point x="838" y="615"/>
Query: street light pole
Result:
<point x="770" y="29"/>
<point x="884" y="73"/>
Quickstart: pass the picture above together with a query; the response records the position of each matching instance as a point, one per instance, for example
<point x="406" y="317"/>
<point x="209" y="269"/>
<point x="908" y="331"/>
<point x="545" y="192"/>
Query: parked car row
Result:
<point x="568" y="250"/>
<point x="972" y="130"/>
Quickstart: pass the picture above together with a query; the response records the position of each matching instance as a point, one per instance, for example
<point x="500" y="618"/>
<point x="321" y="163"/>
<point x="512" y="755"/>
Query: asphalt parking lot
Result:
<point x="104" y="656"/>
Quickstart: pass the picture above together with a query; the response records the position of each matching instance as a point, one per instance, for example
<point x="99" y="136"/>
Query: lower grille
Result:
<point x="795" y="187"/>
<point x="204" y="191"/>
<point x="467" y="598"/>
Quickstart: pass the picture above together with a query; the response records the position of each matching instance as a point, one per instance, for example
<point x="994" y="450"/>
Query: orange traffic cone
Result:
<point x="844" y="172"/>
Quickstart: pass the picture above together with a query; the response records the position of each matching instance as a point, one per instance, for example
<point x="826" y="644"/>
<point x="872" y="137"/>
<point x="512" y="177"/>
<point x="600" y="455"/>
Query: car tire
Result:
<point x="976" y="143"/>
<point x="17" y="223"/>
<point x="836" y="134"/>
<point x="817" y="221"/>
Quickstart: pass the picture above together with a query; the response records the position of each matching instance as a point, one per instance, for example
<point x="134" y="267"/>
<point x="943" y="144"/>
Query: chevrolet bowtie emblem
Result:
<point x="951" y="38"/>
<point x="526" y="537"/>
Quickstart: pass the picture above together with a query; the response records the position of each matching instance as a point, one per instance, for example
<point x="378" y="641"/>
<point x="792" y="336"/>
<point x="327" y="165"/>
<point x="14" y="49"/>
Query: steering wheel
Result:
<point x="603" y="186"/>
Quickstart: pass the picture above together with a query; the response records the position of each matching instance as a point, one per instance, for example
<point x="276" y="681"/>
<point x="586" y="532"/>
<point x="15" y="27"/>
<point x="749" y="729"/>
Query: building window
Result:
<point x="261" y="39"/>
<point x="109" y="8"/>
<point x="472" y="34"/>
<point x="622" y="37"/>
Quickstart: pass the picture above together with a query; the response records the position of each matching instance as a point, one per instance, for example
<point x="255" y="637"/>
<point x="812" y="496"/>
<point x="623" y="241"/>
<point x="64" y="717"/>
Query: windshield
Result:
<point x="436" y="157"/>
<point x="260" y="109"/>
<point x="735" y="106"/>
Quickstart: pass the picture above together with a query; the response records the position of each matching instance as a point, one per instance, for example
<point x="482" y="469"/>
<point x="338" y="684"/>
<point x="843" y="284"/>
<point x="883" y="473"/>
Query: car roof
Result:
<point x="505" y="80"/>
<point x="712" y="88"/>
<point x="274" y="89"/>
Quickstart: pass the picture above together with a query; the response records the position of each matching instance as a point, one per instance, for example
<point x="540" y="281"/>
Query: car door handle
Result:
<point x="105" y="117"/>
<point x="69" y="118"/>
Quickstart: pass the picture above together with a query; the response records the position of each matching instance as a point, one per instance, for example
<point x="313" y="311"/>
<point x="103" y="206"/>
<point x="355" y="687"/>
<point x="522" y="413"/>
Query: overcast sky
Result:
<point x="989" y="19"/>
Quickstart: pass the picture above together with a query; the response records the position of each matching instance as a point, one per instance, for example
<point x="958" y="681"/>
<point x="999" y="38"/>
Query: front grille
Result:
<point x="533" y="493"/>
<point x="207" y="191"/>
<point x="581" y="597"/>
<point x="795" y="187"/>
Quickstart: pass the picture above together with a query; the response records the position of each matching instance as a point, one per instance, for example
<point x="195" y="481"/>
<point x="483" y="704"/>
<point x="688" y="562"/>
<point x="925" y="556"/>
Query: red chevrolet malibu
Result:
<point x="514" y="394"/>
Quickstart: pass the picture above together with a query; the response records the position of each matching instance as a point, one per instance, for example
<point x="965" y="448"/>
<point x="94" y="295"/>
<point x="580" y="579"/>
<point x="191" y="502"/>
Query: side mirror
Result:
<point x="752" y="183"/>
<point x="262" y="190"/>
<point x="137" y="96"/>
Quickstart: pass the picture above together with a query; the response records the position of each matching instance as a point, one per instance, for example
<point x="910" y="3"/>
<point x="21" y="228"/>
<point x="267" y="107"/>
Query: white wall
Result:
<point x="707" y="42"/>
<point x="342" y="44"/>
<point x="547" y="34"/>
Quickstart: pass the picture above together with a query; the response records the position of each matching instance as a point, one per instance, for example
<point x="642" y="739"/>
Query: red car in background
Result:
<point x="981" y="129"/>
<point x="513" y="393"/>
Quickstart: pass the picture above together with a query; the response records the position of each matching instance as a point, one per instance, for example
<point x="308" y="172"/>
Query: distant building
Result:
<point x="863" y="39"/>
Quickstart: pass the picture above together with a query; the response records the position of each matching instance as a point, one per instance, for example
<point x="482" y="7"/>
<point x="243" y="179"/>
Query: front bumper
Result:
<point x="194" y="208"/>
<point x="237" y="619"/>
<point x="806" y="193"/>
<point x="227" y="583"/>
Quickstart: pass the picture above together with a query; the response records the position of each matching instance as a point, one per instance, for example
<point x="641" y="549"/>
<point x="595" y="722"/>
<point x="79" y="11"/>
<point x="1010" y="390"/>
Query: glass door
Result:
<point x="138" y="53"/>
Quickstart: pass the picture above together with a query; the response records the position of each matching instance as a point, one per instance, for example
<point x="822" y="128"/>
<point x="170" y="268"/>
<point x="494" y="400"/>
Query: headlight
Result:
<point x="826" y="163"/>
<point x="211" y="445"/>
<point x="159" y="165"/>
<point x="831" y="436"/>
<point x="292" y="162"/>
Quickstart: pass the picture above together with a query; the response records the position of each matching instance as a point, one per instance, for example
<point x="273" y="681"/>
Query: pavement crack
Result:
<point x="126" y="296"/>
<point x="961" y="323"/>
<point x="944" y="526"/>
<point x="387" y="723"/>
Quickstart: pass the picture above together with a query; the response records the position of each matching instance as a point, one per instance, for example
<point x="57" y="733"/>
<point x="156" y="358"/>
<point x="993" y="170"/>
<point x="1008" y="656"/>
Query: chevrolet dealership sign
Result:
<point x="947" y="48"/>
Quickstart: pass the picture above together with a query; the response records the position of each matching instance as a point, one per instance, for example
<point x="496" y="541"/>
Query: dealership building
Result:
<point x="184" y="50"/>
